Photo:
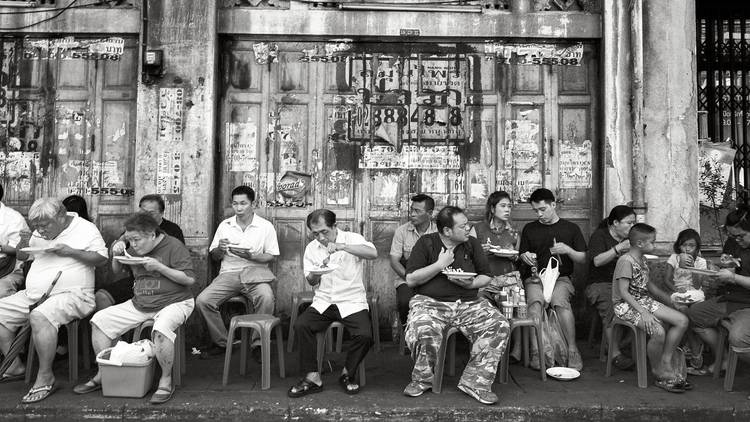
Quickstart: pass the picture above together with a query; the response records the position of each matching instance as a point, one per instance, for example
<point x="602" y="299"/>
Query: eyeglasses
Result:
<point x="737" y="236"/>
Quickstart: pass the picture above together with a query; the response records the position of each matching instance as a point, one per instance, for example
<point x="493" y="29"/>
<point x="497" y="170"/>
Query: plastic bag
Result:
<point x="136" y="353"/>
<point x="549" y="278"/>
<point x="553" y="340"/>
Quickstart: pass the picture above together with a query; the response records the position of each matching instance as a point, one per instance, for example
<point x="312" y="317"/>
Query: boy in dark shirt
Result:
<point x="443" y="301"/>
<point x="540" y="240"/>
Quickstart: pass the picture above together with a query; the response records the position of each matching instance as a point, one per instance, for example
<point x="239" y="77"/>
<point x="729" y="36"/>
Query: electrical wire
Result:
<point x="42" y="10"/>
<point x="63" y="10"/>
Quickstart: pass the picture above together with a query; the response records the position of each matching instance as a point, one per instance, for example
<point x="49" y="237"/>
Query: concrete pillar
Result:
<point x="618" y="174"/>
<point x="186" y="31"/>
<point x="670" y="117"/>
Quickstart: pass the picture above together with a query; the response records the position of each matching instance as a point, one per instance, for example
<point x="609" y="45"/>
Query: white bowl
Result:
<point x="562" y="373"/>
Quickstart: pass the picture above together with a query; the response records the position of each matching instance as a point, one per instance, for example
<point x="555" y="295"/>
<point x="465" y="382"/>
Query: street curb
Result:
<point x="243" y="412"/>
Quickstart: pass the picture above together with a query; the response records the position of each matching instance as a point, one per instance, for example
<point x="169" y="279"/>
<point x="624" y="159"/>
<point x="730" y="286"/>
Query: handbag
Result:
<point x="256" y="275"/>
<point x="549" y="278"/>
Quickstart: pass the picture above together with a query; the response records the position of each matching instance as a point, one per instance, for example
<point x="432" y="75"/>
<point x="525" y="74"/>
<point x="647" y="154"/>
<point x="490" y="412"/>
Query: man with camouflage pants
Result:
<point x="443" y="301"/>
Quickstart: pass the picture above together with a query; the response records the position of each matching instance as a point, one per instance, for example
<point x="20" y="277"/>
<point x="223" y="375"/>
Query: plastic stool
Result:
<point x="322" y="336"/>
<point x="178" y="365"/>
<point x="72" y="328"/>
<point x="241" y="300"/>
<point x="263" y="324"/>
<point x="639" y="350"/>
<point x="401" y="338"/>
<point x="731" y="357"/>
<point x="297" y="300"/>
<point x="447" y="346"/>
<point x="525" y="324"/>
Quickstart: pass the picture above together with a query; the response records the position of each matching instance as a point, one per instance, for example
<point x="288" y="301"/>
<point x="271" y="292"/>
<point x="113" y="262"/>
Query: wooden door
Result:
<point x="318" y="107"/>
<point x="68" y="127"/>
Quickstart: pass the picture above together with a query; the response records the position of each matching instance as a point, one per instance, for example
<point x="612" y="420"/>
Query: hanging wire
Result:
<point x="63" y="10"/>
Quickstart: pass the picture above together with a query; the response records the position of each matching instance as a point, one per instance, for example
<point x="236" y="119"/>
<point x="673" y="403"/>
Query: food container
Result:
<point x="507" y="309"/>
<point x="522" y="311"/>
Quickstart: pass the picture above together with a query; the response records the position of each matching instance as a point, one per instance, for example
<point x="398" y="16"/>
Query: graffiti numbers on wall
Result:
<point x="534" y="54"/>
<point x="69" y="48"/>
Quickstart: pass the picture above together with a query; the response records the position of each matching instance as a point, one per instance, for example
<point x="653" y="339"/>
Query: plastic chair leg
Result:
<point x="177" y="360"/>
<point x="540" y="346"/>
<point x="228" y="354"/>
<point x="731" y="369"/>
<point x="401" y="339"/>
<point x="437" y="379"/>
<point x="292" y="320"/>
<point x="526" y="345"/>
<point x="610" y="349"/>
<point x="280" y="347"/>
<point x="339" y="339"/>
<point x="243" y="349"/>
<point x="641" y="358"/>
<point x="265" y="349"/>
<point x="361" y="370"/>
<point x="452" y="356"/>
<point x="321" y="339"/>
<point x="72" y="328"/>
<point x="719" y="352"/>
<point x="86" y="345"/>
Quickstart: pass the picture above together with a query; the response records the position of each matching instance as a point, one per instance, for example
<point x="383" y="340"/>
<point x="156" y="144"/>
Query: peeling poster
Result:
<point x="242" y="154"/>
<point x="575" y="165"/>
<point x="169" y="173"/>
<point x="170" y="116"/>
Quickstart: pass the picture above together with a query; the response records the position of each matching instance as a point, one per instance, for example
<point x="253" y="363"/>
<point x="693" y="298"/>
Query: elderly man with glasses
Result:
<point x="450" y="300"/>
<point x="64" y="244"/>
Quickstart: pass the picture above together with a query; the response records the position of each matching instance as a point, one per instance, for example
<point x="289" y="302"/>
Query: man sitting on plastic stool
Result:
<point x="340" y="297"/>
<point x="442" y="301"/>
<point x="163" y="272"/>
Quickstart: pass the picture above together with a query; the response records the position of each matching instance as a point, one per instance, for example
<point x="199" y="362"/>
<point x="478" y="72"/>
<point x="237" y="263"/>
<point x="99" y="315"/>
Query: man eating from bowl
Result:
<point x="334" y="261"/>
<point x="245" y="244"/>
<point x="450" y="300"/>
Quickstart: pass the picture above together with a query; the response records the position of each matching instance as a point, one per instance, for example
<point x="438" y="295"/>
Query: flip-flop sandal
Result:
<point x="162" y="395"/>
<point x="347" y="384"/>
<point x="303" y="388"/>
<point x="87" y="387"/>
<point x="669" y="385"/>
<point x="12" y="377"/>
<point x="38" y="394"/>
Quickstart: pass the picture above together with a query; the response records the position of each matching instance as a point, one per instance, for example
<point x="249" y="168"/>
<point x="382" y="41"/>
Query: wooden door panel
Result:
<point x="292" y="238"/>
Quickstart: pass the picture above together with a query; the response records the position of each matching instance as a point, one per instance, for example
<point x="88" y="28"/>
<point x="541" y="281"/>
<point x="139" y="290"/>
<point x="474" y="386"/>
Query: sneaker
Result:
<point x="416" y="388"/>
<point x="482" y="396"/>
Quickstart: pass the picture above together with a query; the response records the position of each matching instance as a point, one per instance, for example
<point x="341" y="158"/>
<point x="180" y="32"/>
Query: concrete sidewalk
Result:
<point x="202" y="397"/>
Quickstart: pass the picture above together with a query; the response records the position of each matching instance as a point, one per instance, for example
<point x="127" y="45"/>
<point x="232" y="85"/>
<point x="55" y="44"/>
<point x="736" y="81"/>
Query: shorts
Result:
<point x="59" y="309"/>
<point x="600" y="295"/>
<point x="626" y="312"/>
<point x="561" y="293"/>
<point x="119" y="319"/>
<point x="119" y="291"/>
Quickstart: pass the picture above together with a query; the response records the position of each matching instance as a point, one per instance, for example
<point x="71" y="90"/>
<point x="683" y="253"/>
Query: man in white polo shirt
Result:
<point x="341" y="296"/>
<point x="245" y="244"/>
<point x="11" y="225"/>
<point x="65" y="244"/>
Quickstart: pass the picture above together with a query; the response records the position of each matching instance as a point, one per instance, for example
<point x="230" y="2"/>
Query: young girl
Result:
<point x="687" y="249"/>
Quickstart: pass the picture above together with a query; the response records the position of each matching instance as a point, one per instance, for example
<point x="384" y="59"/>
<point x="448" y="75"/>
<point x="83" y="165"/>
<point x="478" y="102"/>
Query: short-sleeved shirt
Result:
<point x="404" y="238"/>
<point x="11" y="224"/>
<point x="637" y="272"/>
<point x="172" y="229"/>
<point x="259" y="237"/>
<point x="736" y="296"/>
<point x="539" y="238"/>
<point x="152" y="289"/>
<point x="80" y="234"/>
<point x="682" y="277"/>
<point x="342" y="287"/>
<point x="505" y="237"/>
<point x="601" y="241"/>
<point x="468" y="256"/>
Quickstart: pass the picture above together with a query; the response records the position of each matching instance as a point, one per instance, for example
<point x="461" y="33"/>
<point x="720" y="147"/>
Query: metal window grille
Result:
<point x="723" y="40"/>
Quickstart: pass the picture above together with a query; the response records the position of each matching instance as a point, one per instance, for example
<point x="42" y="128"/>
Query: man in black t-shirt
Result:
<point x="540" y="240"/>
<point x="444" y="301"/>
